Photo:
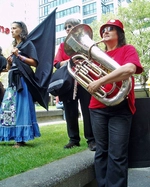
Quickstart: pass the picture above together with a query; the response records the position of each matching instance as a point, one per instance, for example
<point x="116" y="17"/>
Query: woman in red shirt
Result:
<point x="111" y="124"/>
<point x="71" y="104"/>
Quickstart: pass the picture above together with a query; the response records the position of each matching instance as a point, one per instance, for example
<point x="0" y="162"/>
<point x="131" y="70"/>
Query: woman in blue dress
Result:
<point x="18" y="118"/>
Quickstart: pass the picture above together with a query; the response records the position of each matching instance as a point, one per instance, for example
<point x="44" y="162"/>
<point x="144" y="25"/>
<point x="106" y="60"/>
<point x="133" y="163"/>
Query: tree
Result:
<point x="136" y="20"/>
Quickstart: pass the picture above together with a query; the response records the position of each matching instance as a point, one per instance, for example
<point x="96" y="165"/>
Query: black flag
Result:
<point x="43" y="38"/>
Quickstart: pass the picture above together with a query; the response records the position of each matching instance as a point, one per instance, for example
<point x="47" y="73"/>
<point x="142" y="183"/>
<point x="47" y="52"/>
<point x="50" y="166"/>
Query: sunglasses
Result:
<point x="68" y="26"/>
<point x="108" y="29"/>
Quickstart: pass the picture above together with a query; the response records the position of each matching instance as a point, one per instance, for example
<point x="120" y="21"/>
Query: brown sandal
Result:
<point x="19" y="144"/>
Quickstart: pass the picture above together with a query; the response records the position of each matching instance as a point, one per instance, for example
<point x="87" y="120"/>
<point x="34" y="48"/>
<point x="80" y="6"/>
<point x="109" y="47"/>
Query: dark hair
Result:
<point x="121" y="38"/>
<point x="24" y="32"/>
<point x="72" y="21"/>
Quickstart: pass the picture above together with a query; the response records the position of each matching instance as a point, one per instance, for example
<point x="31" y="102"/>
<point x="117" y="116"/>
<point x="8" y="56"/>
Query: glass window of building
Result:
<point x="107" y="8"/>
<point x="45" y="10"/>
<point x="85" y="1"/>
<point x="89" y="20"/>
<point x="89" y="9"/>
<point x="59" y="27"/>
<point x="68" y="11"/>
<point x="108" y="1"/>
<point x="60" y="40"/>
<point x="110" y="7"/>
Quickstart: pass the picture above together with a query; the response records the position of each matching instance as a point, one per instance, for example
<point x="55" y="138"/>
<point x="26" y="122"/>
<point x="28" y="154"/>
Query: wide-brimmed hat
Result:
<point x="113" y="22"/>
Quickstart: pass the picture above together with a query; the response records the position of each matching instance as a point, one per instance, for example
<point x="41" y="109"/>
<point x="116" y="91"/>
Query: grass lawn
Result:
<point x="38" y="152"/>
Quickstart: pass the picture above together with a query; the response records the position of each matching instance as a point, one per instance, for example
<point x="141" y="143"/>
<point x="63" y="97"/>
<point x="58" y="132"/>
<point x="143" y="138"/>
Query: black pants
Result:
<point x="72" y="113"/>
<point x="111" y="128"/>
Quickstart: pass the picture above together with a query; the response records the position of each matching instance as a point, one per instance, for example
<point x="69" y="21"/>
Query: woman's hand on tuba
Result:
<point x="93" y="86"/>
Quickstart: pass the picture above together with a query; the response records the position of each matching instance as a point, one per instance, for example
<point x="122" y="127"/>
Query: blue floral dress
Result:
<point x="17" y="116"/>
<point x="17" y="113"/>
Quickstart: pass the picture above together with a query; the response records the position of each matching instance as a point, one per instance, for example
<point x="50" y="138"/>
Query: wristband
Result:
<point x="22" y="58"/>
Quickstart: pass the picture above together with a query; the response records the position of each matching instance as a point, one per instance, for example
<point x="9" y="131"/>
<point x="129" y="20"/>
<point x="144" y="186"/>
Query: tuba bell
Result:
<point x="79" y="45"/>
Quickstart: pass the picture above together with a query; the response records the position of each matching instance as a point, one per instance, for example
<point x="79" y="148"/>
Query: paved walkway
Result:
<point x="139" y="177"/>
<point x="52" y="123"/>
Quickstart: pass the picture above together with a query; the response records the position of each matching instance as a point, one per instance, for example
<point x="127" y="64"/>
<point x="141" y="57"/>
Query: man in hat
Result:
<point x="111" y="124"/>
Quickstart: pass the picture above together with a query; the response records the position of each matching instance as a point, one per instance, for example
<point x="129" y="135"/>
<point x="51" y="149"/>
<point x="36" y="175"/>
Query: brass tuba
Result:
<point x="79" y="45"/>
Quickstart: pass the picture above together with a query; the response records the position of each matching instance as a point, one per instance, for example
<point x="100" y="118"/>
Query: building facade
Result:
<point x="85" y="10"/>
<point x="16" y="10"/>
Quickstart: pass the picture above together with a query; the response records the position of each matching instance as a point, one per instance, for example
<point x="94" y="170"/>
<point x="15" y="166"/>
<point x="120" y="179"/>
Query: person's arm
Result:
<point x="120" y="74"/>
<point x="9" y="62"/>
<point x="59" y="58"/>
<point x="63" y="62"/>
<point x="29" y="61"/>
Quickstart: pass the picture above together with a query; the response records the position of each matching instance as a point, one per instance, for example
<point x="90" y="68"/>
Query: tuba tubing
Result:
<point x="79" y="44"/>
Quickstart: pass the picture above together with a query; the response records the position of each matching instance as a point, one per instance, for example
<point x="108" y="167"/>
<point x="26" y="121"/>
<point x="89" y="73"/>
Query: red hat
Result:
<point x="114" y="22"/>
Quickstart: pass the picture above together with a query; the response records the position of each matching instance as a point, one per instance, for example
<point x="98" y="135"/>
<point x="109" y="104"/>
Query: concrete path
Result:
<point x="139" y="177"/>
<point x="51" y="123"/>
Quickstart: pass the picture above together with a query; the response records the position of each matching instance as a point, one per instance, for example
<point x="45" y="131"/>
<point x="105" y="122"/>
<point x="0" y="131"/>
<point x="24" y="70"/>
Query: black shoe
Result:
<point x="92" y="146"/>
<point x="71" y="145"/>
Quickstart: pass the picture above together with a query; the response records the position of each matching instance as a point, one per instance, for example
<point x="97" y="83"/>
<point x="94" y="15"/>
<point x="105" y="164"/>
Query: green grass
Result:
<point x="38" y="152"/>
